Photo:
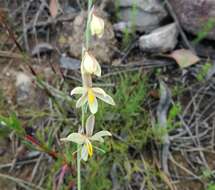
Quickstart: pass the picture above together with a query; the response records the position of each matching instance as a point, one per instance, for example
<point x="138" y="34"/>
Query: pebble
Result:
<point x="144" y="15"/>
<point x="23" y="88"/>
<point x="161" y="40"/>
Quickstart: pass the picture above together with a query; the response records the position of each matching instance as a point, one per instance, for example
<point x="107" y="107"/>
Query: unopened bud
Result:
<point x="97" y="26"/>
<point x="90" y="65"/>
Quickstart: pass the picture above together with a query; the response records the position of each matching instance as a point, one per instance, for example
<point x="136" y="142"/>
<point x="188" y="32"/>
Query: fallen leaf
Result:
<point x="184" y="58"/>
<point x="53" y="7"/>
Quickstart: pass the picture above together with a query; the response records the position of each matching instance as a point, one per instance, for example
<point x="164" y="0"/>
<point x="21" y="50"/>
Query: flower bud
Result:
<point x="90" y="65"/>
<point x="97" y="26"/>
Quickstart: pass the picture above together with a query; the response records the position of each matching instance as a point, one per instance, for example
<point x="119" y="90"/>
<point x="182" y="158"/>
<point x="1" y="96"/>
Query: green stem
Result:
<point x="79" y="152"/>
<point x="79" y="167"/>
<point x="87" y="32"/>
<point x="87" y="42"/>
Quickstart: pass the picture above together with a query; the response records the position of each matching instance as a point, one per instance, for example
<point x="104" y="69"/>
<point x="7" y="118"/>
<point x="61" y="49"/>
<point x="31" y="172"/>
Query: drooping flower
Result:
<point x="90" y="95"/>
<point x="97" y="26"/>
<point x="90" y="65"/>
<point x="85" y="139"/>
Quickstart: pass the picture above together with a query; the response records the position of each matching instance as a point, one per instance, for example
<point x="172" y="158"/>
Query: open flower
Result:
<point x="97" y="26"/>
<point x="90" y="65"/>
<point x="85" y="139"/>
<point x="90" y="95"/>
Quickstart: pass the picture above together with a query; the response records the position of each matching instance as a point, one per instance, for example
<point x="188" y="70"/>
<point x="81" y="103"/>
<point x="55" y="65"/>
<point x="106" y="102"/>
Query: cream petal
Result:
<point x="96" y="63"/>
<point x="77" y="90"/>
<point x="84" y="153"/>
<point x="99" y="136"/>
<point x="103" y="133"/>
<point x="97" y="26"/>
<point x="96" y="67"/>
<point x="89" y="63"/>
<point x="94" y="106"/>
<point x="99" y="91"/>
<point x="81" y="101"/>
<point x="90" y="125"/>
<point x="98" y="71"/>
<point x="101" y="94"/>
<point x="106" y="98"/>
<point x="76" y="138"/>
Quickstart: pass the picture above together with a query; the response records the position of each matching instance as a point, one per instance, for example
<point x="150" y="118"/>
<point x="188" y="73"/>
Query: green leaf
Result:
<point x="13" y="123"/>
<point x="29" y="145"/>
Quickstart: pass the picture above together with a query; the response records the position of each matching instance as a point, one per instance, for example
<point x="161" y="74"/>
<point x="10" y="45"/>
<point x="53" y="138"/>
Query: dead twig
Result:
<point x="50" y="21"/>
<point x="8" y="54"/>
<point x="25" y="184"/>
<point x="184" y="37"/>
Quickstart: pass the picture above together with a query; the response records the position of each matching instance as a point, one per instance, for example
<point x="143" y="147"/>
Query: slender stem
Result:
<point x="79" y="152"/>
<point x="79" y="167"/>
<point x="87" y="32"/>
<point x="87" y="41"/>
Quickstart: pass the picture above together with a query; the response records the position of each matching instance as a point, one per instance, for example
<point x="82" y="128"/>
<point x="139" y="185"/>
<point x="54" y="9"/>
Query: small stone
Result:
<point x="161" y="40"/>
<point x="144" y="15"/>
<point x="121" y="26"/>
<point x="23" y="88"/>
<point x="69" y="63"/>
<point x="196" y="16"/>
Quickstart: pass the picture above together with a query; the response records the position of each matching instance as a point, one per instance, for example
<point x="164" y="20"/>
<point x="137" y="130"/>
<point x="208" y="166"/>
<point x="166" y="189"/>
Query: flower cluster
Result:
<point x="85" y="139"/>
<point x="89" y="96"/>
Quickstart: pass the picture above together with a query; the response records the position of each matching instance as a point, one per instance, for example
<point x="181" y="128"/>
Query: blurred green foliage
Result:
<point x="204" y="71"/>
<point x="209" y="25"/>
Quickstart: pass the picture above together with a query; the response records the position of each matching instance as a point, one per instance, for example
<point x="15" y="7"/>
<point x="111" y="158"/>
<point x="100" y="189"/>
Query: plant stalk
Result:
<point x="87" y="32"/>
<point x="87" y="42"/>
<point x="79" y="152"/>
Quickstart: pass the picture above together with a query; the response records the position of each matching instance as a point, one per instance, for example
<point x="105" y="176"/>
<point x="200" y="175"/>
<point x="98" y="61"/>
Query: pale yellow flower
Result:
<point x="90" y="65"/>
<point x="97" y="26"/>
<point x="85" y="139"/>
<point x="90" y="95"/>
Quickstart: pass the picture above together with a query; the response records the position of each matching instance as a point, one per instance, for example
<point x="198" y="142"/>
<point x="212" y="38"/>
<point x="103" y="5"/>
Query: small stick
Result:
<point x="184" y="37"/>
<point x="25" y="184"/>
